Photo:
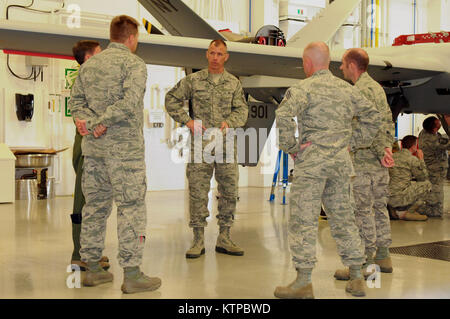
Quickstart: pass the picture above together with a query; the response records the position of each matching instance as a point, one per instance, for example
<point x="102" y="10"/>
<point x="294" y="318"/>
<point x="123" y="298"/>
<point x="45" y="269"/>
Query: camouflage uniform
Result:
<point x="434" y="147"/>
<point x="212" y="104"/>
<point x="77" y="160"/>
<point x="324" y="106"/>
<point x="404" y="193"/>
<point x="110" y="90"/>
<point x="78" y="197"/>
<point x="370" y="186"/>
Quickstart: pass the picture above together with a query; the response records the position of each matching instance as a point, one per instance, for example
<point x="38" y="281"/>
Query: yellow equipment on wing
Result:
<point x="151" y="29"/>
<point x="147" y="26"/>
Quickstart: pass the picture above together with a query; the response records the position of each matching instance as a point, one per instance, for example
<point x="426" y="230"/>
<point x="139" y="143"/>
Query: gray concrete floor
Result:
<point x="36" y="246"/>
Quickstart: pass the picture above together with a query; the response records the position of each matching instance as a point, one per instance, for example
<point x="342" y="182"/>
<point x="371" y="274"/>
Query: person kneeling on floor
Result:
<point x="409" y="184"/>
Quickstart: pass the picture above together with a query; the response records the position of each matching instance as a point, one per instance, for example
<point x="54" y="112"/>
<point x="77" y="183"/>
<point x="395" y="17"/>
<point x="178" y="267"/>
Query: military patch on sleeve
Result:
<point x="443" y="140"/>
<point x="288" y="94"/>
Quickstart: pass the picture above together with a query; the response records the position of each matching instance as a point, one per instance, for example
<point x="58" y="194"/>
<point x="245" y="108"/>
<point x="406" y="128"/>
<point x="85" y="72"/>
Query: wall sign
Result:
<point x="67" y="112"/>
<point x="68" y="75"/>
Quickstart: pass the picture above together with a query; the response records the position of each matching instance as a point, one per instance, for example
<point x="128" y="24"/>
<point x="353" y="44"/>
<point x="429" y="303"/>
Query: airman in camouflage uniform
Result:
<point x="324" y="106"/>
<point x="409" y="185"/>
<point x="82" y="51"/>
<point x="107" y="103"/>
<point x="218" y="102"/>
<point x="370" y="185"/>
<point x="434" y="147"/>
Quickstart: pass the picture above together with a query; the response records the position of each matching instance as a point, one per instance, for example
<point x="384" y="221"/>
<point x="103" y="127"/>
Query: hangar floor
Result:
<point x="35" y="250"/>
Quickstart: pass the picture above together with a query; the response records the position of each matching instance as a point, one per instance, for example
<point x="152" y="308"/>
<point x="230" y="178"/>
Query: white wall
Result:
<point x="434" y="10"/>
<point x="263" y="12"/>
<point x="402" y="19"/>
<point x="162" y="172"/>
<point x="445" y="15"/>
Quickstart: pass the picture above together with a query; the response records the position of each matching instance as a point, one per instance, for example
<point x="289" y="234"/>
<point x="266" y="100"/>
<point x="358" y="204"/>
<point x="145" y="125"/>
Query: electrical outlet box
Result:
<point x="36" y="61"/>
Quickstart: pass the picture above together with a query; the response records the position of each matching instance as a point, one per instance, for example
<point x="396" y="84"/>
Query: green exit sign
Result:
<point x="67" y="112"/>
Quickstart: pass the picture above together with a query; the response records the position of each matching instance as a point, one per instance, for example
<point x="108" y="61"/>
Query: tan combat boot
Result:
<point x="344" y="274"/>
<point x="198" y="244"/>
<point x="383" y="260"/>
<point x="296" y="290"/>
<point x="356" y="287"/>
<point x="414" y="217"/>
<point x="305" y="292"/>
<point x="96" y="275"/>
<point x="385" y="264"/>
<point x="136" y="281"/>
<point x="356" y="284"/>
<point x="225" y="245"/>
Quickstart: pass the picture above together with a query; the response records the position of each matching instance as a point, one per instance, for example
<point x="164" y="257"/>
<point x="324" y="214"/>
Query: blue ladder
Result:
<point x="275" y="176"/>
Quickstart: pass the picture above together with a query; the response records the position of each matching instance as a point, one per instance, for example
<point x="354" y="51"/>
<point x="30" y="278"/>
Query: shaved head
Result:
<point x="316" y="56"/>
<point x="318" y="53"/>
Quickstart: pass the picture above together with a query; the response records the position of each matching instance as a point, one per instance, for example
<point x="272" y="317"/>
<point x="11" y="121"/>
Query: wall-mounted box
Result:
<point x="36" y="61"/>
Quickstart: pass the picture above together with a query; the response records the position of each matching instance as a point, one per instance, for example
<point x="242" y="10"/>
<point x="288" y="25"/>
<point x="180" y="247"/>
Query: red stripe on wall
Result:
<point x="44" y="55"/>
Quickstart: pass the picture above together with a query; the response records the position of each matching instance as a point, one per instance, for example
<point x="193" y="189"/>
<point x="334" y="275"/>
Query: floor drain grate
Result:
<point x="438" y="250"/>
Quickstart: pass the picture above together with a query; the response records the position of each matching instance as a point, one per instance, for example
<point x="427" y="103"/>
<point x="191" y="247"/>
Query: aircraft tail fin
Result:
<point x="179" y="20"/>
<point x="324" y="25"/>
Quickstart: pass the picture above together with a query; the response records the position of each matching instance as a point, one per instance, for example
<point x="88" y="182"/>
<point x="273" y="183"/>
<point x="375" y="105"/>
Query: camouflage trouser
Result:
<point x="123" y="181"/>
<point x="448" y="170"/>
<point x="370" y="190"/>
<point x="435" y="200"/>
<point x="77" y="162"/>
<point x="199" y="177"/>
<point x="412" y="199"/>
<point x="307" y="195"/>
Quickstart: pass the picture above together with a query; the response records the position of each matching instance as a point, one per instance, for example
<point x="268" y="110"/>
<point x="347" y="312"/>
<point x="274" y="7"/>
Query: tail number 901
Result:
<point x="258" y="111"/>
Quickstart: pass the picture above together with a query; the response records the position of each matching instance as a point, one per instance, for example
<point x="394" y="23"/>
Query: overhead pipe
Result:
<point x="413" y="119"/>
<point x="385" y="25"/>
<point x="377" y="24"/>
<point x="363" y="18"/>
<point x="371" y="24"/>
<point x="367" y="25"/>
<point x="381" y="24"/>
<point x="250" y="16"/>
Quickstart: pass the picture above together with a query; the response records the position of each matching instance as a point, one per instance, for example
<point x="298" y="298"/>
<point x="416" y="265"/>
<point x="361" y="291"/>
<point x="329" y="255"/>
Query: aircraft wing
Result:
<point x="58" y="40"/>
<point x="246" y="59"/>
<point x="402" y="63"/>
